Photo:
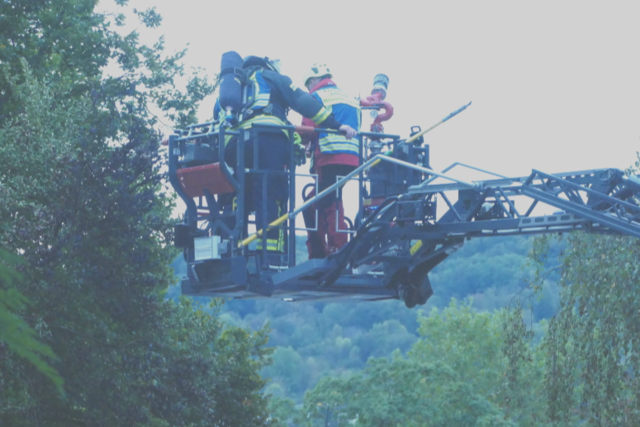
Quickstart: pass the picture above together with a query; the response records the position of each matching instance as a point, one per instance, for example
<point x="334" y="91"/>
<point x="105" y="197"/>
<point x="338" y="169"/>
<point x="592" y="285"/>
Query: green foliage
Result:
<point x="584" y="372"/>
<point x="524" y="371"/>
<point x="284" y="412"/>
<point x="408" y="393"/>
<point x="216" y="367"/>
<point x="491" y="271"/>
<point x="289" y="367"/>
<point x="453" y="376"/>
<point x="338" y="338"/>
<point x="579" y="368"/>
<point x="15" y="333"/>
<point x="315" y="339"/>
<point x="7" y="267"/>
<point x="68" y="44"/>
<point x="467" y="341"/>
<point x="82" y="202"/>
<point x="593" y="341"/>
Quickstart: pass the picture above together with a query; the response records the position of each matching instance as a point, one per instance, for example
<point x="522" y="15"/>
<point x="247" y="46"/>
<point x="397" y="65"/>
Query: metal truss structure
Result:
<point x="410" y="219"/>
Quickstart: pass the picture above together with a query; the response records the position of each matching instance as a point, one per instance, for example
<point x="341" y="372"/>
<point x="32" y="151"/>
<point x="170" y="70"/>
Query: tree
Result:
<point x="83" y="207"/>
<point x="67" y="44"/>
<point x="468" y="341"/>
<point x="591" y="356"/>
<point x="284" y="412"/>
<point x="453" y="376"/>
<point x="15" y="334"/>
<point x="589" y="352"/>
<point x="399" y="392"/>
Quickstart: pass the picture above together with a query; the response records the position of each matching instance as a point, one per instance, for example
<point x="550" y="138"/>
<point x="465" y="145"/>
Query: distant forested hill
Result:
<point x="316" y="339"/>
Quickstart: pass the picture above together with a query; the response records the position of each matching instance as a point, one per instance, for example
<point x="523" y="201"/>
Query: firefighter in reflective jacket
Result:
<point x="333" y="155"/>
<point x="271" y="94"/>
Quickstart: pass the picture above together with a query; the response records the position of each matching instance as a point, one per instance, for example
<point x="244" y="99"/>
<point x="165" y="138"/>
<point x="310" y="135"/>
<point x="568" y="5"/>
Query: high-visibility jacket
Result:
<point x="335" y="148"/>
<point x="272" y="94"/>
<point x="348" y="111"/>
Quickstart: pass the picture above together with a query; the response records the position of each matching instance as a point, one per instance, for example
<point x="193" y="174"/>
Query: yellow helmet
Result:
<point x="317" y="70"/>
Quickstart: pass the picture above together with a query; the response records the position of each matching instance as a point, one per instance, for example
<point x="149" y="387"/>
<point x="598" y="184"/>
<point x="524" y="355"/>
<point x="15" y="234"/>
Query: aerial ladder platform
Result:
<point x="409" y="219"/>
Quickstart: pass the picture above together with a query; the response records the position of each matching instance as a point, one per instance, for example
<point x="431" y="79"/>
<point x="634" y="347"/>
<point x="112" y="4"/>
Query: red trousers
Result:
<point x="331" y="233"/>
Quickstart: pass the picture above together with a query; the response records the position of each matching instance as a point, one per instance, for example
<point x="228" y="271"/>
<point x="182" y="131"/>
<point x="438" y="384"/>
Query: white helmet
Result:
<point x="317" y="70"/>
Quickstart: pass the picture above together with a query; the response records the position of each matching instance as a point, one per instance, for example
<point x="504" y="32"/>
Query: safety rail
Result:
<point x="453" y="165"/>
<point x="369" y="164"/>
<point x="199" y="133"/>
<point x="208" y="132"/>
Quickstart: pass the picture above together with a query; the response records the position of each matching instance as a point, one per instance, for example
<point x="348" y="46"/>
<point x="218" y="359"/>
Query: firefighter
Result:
<point x="333" y="155"/>
<point x="271" y="95"/>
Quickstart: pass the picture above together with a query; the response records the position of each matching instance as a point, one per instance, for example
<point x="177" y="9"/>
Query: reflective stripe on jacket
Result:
<point x="272" y="94"/>
<point x="261" y="93"/>
<point x="263" y="119"/>
<point x="347" y="111"/>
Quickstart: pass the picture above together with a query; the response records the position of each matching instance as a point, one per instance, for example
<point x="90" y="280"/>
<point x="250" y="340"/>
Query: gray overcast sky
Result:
<point x="554" y="84"/>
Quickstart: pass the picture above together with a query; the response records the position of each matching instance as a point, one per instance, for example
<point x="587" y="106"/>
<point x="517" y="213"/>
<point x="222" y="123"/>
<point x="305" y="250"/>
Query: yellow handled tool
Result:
<point x="371" y="163"/>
